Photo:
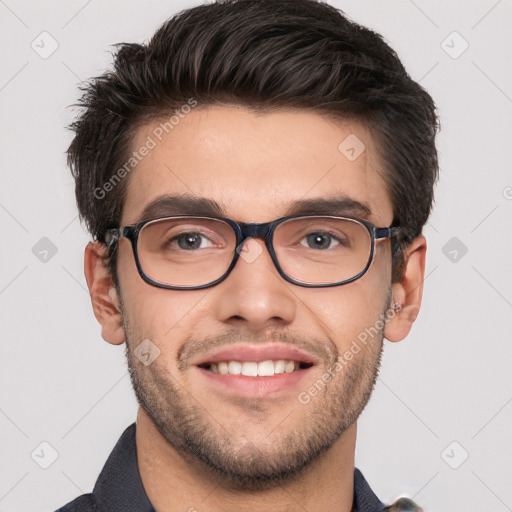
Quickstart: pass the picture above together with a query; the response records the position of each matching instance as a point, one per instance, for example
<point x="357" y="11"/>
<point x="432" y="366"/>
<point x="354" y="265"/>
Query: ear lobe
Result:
<point x="407" y="292"/>
<point x="104" y="298"/>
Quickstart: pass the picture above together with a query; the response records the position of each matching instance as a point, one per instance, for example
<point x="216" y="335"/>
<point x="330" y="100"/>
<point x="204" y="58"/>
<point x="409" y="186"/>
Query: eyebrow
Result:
<point x="167" y="204"/>
<point x="339" y="205"/>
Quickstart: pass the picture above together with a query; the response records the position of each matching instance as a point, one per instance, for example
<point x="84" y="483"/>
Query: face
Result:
<point x="257" y="168"/>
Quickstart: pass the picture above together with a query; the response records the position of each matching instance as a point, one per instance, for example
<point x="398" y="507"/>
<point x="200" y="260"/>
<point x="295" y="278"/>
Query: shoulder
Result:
<point x="365" y="499"/>
<point x="84" y="503"/>
<point x="403" y="505"/>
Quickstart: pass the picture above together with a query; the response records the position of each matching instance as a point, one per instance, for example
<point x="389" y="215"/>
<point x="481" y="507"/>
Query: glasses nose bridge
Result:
<point x="255" y="230"/>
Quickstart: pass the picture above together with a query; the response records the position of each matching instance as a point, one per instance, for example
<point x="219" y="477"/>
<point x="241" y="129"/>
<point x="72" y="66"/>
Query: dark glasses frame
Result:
<point x="243" y="231"/>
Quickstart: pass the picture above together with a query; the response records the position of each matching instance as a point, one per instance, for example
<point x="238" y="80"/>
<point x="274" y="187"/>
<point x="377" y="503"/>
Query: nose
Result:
<point x="254" y="294"/>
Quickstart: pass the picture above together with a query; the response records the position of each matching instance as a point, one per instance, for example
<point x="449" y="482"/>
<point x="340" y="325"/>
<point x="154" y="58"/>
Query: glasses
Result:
<point x="185" y="252"/>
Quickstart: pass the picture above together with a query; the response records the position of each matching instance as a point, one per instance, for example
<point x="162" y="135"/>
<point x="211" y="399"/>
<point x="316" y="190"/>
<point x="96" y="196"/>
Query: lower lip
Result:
<point x="244" y="386"/>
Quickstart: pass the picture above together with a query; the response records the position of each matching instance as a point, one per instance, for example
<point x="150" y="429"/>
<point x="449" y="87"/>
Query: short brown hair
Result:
<point x="265" y="55"/>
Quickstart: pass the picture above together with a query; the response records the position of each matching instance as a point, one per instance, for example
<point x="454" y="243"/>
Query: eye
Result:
<point x="189" y="241"/>
<point x="320" y="241"/>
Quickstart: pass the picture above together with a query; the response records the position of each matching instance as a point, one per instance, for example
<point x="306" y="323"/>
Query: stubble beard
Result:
<point x="192" y="430"/>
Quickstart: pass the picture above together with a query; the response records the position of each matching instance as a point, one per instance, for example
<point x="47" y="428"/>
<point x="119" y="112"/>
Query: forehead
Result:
<point x="255" y="166"/>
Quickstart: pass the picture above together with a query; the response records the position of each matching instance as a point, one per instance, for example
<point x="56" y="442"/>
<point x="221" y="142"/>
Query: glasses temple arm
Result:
<point x="386" y="232"/>
<point x="111" y="236"/>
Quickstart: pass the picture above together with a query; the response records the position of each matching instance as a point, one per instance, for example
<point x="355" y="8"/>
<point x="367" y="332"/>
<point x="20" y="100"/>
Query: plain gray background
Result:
<point x="438" y="425"/>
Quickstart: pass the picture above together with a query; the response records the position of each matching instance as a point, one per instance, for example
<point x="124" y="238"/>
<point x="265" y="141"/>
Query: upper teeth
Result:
<point x="254" y="369"/>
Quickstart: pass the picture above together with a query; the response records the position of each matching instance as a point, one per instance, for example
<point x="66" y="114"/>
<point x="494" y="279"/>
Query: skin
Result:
<point x="255" y="166"/>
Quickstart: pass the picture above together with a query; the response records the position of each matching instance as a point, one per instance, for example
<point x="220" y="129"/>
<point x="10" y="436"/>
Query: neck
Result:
<point x="174" y="482"/>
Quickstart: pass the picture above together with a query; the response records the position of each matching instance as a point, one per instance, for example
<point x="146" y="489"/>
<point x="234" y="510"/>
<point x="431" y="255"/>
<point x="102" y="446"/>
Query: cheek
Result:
<point x="164" y="316"/>
<point x="345" y="312"/>
<point x="155" y="313"/>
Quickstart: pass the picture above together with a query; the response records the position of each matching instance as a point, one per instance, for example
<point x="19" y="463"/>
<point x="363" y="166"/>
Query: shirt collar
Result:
<point x="119" y="486"/>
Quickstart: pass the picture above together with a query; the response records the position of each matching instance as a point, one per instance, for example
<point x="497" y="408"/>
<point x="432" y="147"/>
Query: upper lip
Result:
<point x="256" y="353"/>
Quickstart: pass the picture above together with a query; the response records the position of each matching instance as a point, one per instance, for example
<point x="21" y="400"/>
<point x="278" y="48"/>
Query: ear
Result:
<point x="105" y="302"/>
<point x="407" y="292"/>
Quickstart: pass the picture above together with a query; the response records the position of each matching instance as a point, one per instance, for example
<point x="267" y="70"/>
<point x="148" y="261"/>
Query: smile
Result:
<point x="259" y="370"/>
<point x="267" y="368"/>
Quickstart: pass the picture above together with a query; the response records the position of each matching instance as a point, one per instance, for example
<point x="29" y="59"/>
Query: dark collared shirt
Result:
<point x="119" y="487"/>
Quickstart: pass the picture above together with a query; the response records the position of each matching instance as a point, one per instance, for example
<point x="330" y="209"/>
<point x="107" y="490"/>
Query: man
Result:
<point x="256" y="179"/>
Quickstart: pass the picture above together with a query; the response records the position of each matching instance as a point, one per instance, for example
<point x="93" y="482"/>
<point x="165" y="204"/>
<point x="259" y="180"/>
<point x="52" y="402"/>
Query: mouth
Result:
<point x="256" y="370"/>
<point x="267" y="368"/>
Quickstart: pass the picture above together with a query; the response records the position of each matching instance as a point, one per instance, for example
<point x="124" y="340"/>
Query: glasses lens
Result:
<point x="186" y="251"/>
<point x="322" y="250"/>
